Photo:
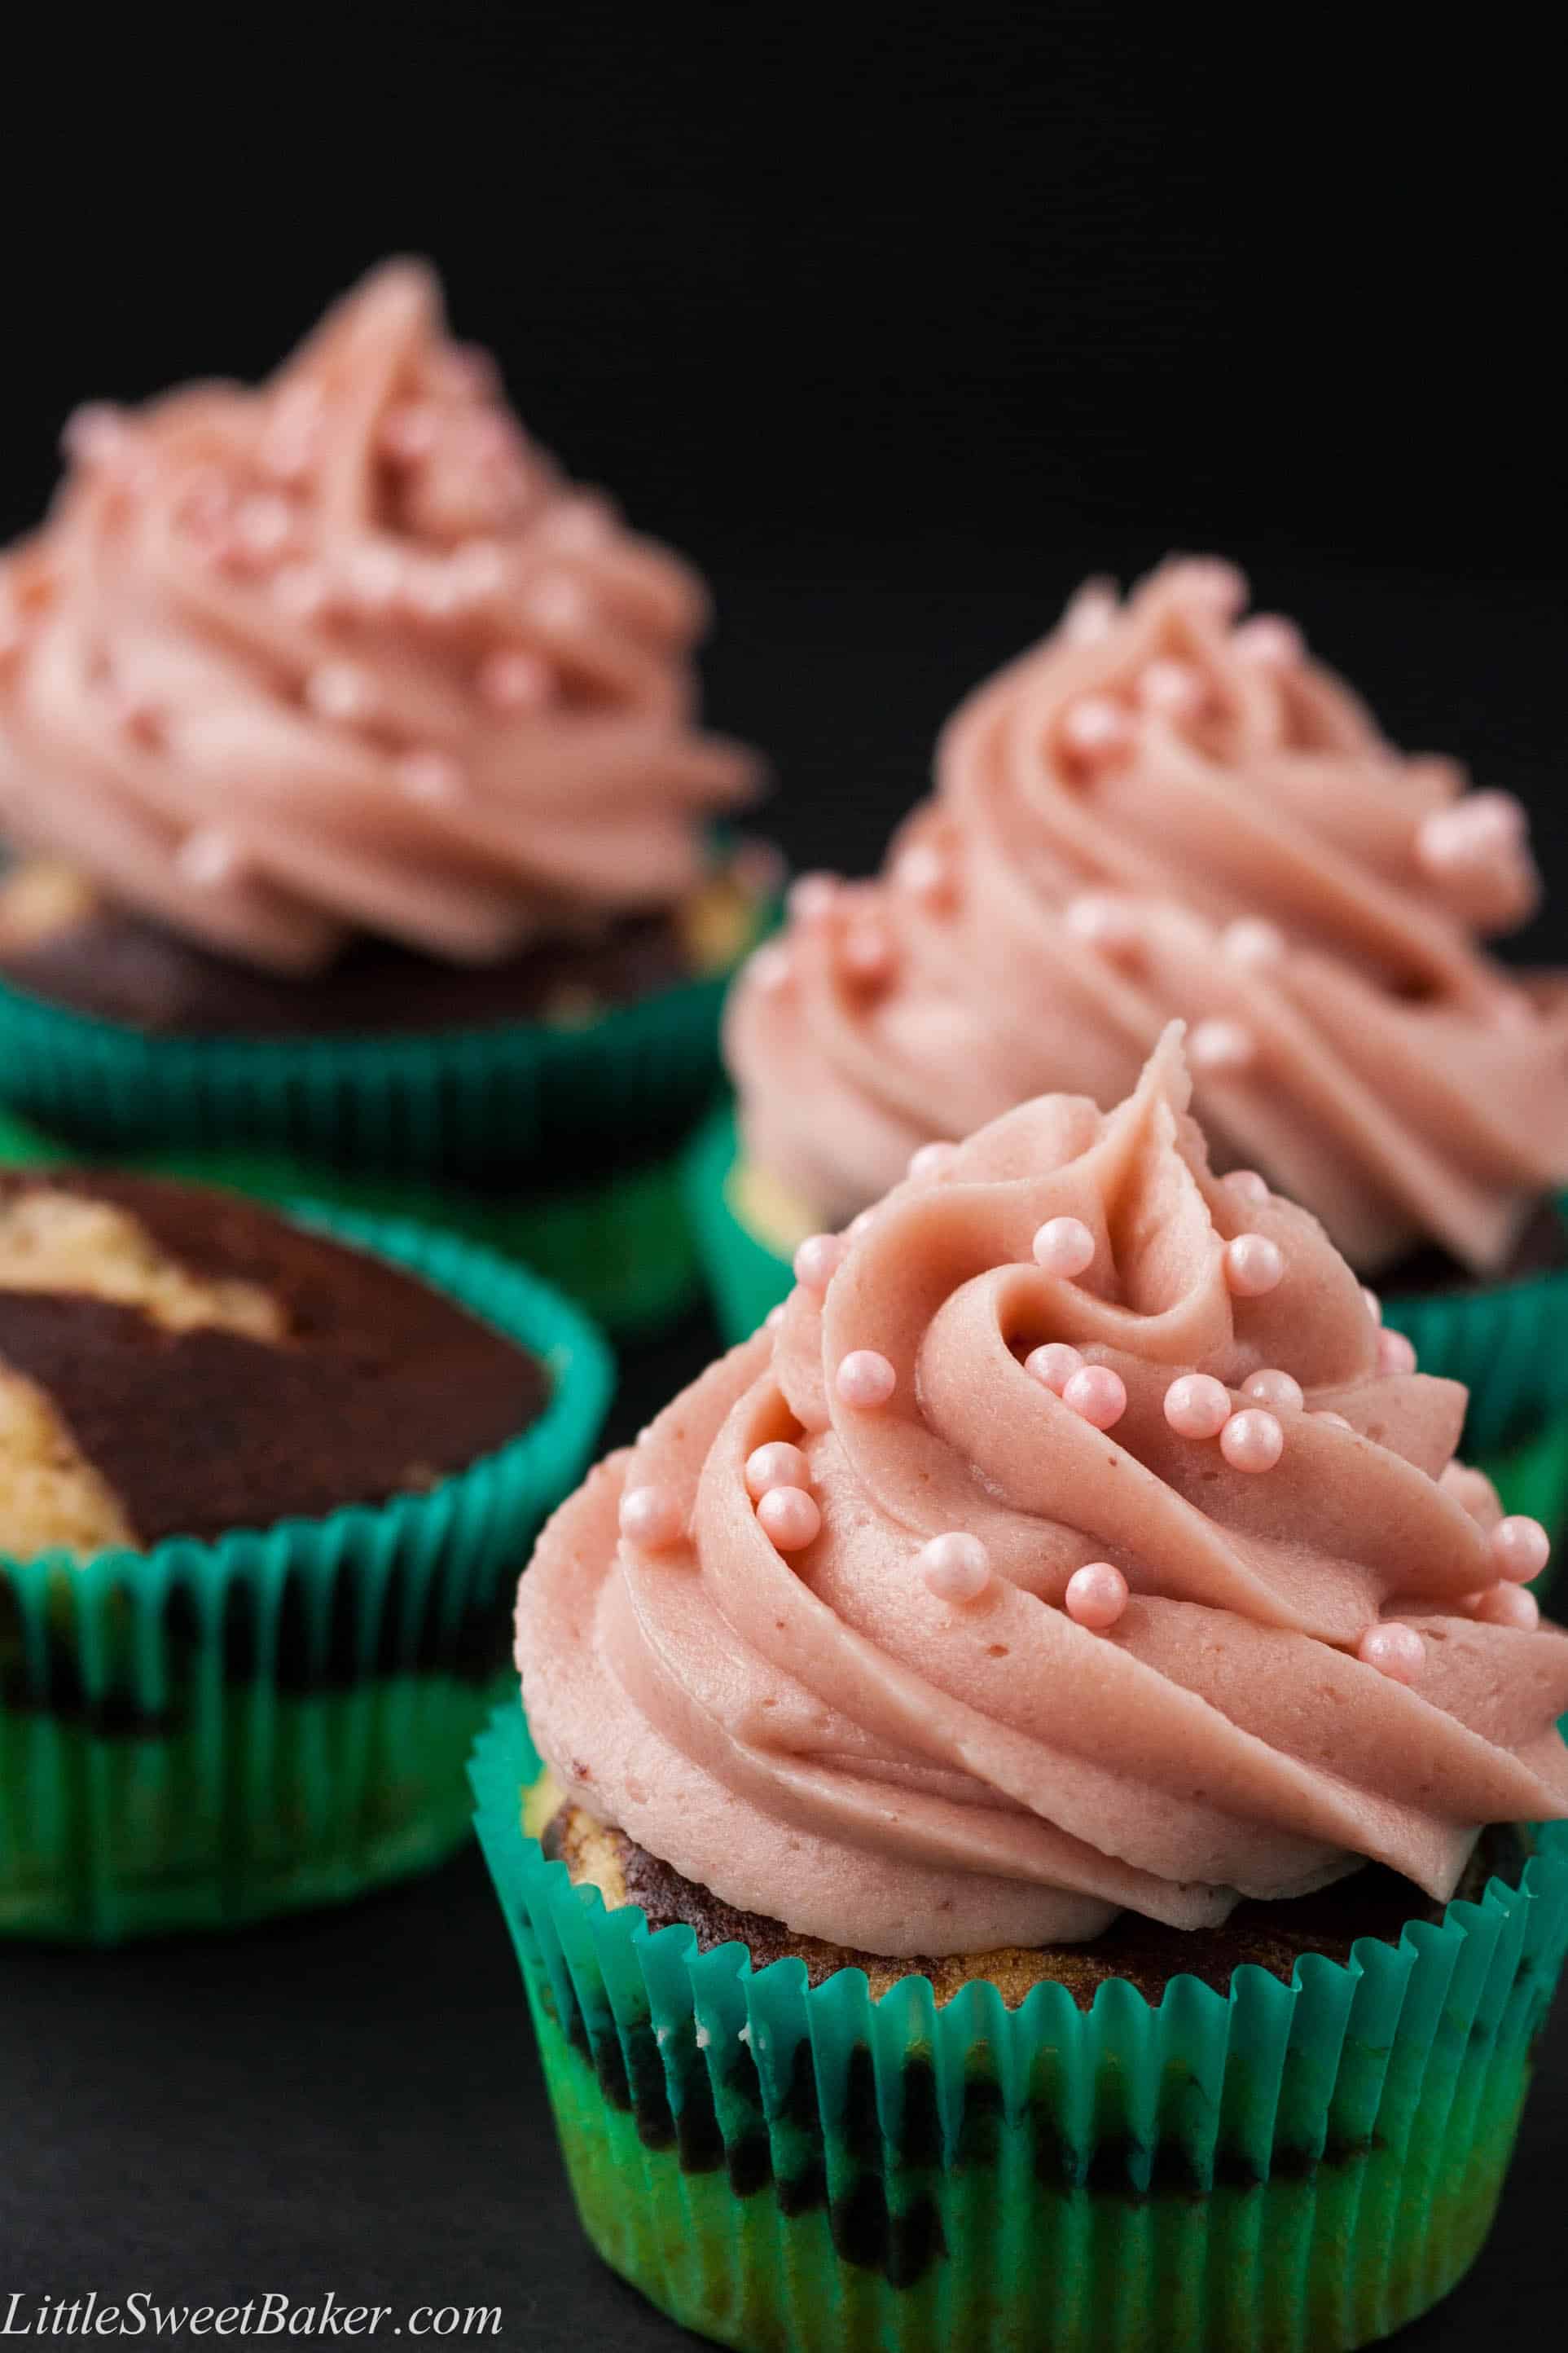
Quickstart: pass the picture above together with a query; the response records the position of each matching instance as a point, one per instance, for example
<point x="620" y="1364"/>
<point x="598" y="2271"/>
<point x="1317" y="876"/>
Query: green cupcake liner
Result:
<point x="746" y="1278"/>
<point x="621" y="1248"/>
<point x="208" y="1733"/>
<point x="1286" y="2168"/>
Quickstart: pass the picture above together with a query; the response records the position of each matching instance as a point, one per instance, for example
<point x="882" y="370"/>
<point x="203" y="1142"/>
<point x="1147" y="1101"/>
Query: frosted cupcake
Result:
<point x="264" y="1493"/>
<point x="363" y="823"/>
<point x="1047" y="1720"/>
<point x="1166" y="810"/>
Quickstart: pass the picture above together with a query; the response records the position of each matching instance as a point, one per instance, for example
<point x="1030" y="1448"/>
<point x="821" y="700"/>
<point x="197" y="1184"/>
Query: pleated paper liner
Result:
<point x="208" y="1733"/>
<point x="1286" y="2168"/>
<point x="432" y="1124"/>
<point x="621" y="1247"/>
<point x="747" y="1273"/>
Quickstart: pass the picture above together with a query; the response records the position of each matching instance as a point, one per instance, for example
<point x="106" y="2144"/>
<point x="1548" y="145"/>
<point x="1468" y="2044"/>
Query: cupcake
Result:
<point x="263" y="1496"/>
<point x="1038" y="1817"/>
<point x="363" y="832"/>
<point x="1164" y="810"/>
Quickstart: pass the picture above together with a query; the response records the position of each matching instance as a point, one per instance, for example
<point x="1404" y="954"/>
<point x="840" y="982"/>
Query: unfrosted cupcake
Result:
<point x="263" y="1496"/>
<point x="1166" y="810"/>
<point x="1053" y="1734"/>
<point x="362" y="818"/>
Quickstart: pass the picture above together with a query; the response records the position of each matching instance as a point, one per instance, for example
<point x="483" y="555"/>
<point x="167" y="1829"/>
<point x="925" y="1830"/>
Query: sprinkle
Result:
<point x="816" y="1261"/>
<point x="1334" y="1420"/>
<point x="1173" y="688"/>
<point x="790" y="1518"/>
<point x="1395" y="1353"/>
<point x="1395" y="1651"/>
<point x="1247" y="1183"/>
<point x="866" y="951"/>
<point x="1252" y="942"/>
<point x="1508" y="1604"/>
<point x="1096" y="728"/>
<point x="1253" y="1264"/>
<point x="773" y="1318"/>
<point x="1053" y="1365"/>
<point x="770" y="968"/>
<point x="302" y="590"/>
<point x="812" y="896"/>
<point x="1373" y="1303"/>
<point x="93" y="433"/>
<point x="1270" y="641"/>
<point x="514" y="680"/>
<point x="409" y="433"/>
<point x="1063" y="1246"/>
<point x="209" y="859"/>
<point x="264" y="525"/>
<point x="377" y="577"/>
<point x="1521" y="1548"/>
<point x="1098" y="1395"/>
<point x="955" y="1566"/>
<point x="652" y="1517"/>
<point x="1219" y="1045"/>
<point x="777" y="1464"/>
<point x="431" y="777"/>
<point x="1252" y="1441"/>
<point x="559" y="602"/>
<point x="338" y="692"/>
<point x="1096" y="1595"/>
<point x="1474" y="832"/>
<point x="1089" y="612"/>
<point x="1279" y="1391"/>
<point x="864" y="1379"/>
<point x="922" y="872"/>
<point x="479" y="569"/>
<point x="1196" y="1406"/>
<point x="931" y="1161"/>
<point x="1104" y="924"/>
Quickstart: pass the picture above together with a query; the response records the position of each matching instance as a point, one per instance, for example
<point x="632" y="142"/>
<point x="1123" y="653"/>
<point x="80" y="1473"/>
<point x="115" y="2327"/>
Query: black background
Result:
<point x="899" y="324"/>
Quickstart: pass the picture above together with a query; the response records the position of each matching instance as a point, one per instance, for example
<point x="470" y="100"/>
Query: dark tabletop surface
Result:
<point x="351" y="2101"/>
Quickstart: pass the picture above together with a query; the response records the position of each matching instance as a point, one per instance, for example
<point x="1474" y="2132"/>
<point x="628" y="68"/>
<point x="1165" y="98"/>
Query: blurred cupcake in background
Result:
<point x="265" y="1493"/>
<point x="1037" y="1817"/>
<point x="362" y="827"/>
<point x="1167" y="809"/>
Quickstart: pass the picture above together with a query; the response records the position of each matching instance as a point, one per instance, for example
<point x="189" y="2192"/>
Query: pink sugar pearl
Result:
<point x="1063" y="1246"/>
<point x="1253" y="1265"/>
<point x="1247" y="1184"/>
<point x="1270" y="641"/>
<point x="1252" y="1441"/>
<point x="1395" y="1353"/>
<point x="929" y="1161"/>
<point x="1172" y="687"/>
<point x="778" y="1464"/>
<point x="1508" y="1604"/>
<point x="1280" y="1392"/>
<point x="812" y="896"/>
<point x="864" y="1379"/>
<point x="1096" y="1595"/>
<point x="1053" y="1365"/>
<point x="1395" y="1651"/>
<point x="1218" y="1045"/>
<point x="1196" y="1406"/>
<point x="955" y="1566"/>
<point x="1521" y="1548"/>
<point x="790" y="1518"/>
<point x="1098" y="1395"/>
<point x="651" y="1516"/>
<point x="1096" y="728"/>
<point x="817" y="1261"/>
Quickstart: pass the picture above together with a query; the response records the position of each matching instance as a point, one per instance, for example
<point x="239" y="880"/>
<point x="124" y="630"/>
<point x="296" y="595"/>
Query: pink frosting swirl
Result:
<point x="346" y="653"/>
<point x="832" y="1735"/>
<point x="1159" y="812"/>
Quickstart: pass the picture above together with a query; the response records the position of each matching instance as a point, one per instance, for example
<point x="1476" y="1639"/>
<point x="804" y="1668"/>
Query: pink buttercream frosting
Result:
<point x="1162" y="811"/>
<point x="937" y="1663"/>
<point x="348" y="653"/>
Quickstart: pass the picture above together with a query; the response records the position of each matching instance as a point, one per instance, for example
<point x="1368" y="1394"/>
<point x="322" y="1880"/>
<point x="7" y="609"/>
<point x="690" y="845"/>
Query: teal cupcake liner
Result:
<point x="1284" y="2168"/>
<point x="620" y="1247"/>
<point x="746" y="1278"/>
<point x="208" y="1733"/>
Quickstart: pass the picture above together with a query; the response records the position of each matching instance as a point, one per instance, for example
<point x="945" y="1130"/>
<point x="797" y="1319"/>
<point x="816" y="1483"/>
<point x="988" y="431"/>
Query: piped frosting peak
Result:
<point x="1073" y="1540"/>
<point x="346" y="653"/>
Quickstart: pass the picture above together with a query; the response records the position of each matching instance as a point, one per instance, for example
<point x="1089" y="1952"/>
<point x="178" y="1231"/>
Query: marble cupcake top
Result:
<point x="1164" y="810"/>
<point x="1073" y="1540"/>
<point x="347" y="654"/>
